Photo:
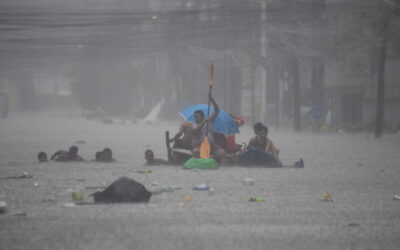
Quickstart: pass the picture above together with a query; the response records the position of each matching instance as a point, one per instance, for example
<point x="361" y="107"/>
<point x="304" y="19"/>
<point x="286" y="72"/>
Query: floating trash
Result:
<point x="201" y="187"/>
<point x="255" y="199"/>
<point x="327" y="197"/>
<point x="187" y="198"/>
<point x="76" y="196"/>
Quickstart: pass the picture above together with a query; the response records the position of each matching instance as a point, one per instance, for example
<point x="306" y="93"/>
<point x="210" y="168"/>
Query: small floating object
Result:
<point x="76" y="196"/>
<point x="187" y="198"/>
<point x="255" y="199"/>
<point x="327" y="197"/>
<point x="201" y="187"/>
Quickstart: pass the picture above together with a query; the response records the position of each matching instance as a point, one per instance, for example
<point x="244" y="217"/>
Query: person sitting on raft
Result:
<point x="67" y="155"/>
<point x="199" y="133"/>
<point x="185" y="131"/>
<point x="262" y="141"/>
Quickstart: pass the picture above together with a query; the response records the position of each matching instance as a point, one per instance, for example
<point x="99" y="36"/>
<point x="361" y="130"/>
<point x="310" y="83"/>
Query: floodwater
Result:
<point x="359" y="172"/>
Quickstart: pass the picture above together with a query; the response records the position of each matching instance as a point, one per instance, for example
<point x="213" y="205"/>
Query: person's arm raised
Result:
<point x="216" y="109"/>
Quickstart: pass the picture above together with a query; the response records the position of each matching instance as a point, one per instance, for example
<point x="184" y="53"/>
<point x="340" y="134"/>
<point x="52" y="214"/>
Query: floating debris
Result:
<point x="201" y="187"/>
<point x="187" y="198"/>
<point x="327" y="197"/>
<point x="76" y="196"/>
<point x="255" y="199"/>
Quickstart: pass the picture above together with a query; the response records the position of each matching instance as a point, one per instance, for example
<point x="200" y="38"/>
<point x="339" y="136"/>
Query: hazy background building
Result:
<point x="274" y="60"/>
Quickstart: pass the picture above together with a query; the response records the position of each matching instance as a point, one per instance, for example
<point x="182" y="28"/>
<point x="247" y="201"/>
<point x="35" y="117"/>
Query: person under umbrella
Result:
<point x="201" y="131"/>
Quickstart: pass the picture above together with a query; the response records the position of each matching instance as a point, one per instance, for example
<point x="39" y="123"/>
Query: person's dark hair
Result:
<point x="73" y="150"/>
<point x="148" y="153"/>
<point x="266" y="129"/>
<point x="42" y="157"/>
<point x="108" y="151"/>
<point x="99" y="156"/>
<point x="107" y="154"/>
<point x="199" y="111"/>
<point x="258" y="126"/>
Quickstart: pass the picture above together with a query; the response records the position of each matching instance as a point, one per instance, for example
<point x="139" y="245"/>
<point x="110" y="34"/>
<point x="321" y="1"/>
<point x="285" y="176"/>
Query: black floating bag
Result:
<point x="123" y="190"/>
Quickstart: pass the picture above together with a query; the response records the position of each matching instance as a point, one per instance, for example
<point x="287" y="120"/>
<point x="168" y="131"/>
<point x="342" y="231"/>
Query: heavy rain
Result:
<point x="302" y="153"/>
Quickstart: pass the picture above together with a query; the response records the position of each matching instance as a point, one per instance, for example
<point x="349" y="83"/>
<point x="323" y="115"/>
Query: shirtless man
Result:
<point x="186" y="141"/>
<point x="199" y="133"/>
<point x="262" y="141"/>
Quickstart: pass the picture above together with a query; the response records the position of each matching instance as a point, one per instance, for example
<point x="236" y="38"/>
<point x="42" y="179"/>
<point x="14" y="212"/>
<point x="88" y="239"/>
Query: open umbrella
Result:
<point x="224" y="123"/>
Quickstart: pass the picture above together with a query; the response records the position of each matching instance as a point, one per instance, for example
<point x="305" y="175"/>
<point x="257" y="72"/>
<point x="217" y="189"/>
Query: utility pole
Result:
<point x="294" y="68"/>
<point x="380" y="99"/>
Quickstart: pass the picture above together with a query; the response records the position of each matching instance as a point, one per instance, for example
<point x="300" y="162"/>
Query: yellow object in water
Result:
<point x="187" y="198"/>
<point x="327" y="197"/>
<point x="76" y="196"/>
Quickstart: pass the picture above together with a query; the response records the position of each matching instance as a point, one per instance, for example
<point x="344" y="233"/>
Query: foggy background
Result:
<point x="274" y="60"/>
<point x="69" y="66"/>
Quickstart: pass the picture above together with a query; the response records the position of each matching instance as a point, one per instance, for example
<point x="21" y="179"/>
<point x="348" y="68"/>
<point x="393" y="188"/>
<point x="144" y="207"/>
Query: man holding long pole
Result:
<point x="202" y="135"/>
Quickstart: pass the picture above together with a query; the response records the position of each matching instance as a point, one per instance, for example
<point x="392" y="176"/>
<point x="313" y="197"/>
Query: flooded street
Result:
<point x="359" y="172"/>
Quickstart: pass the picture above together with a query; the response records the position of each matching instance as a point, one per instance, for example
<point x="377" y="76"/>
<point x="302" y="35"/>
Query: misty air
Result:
<point x="207" y="124"/>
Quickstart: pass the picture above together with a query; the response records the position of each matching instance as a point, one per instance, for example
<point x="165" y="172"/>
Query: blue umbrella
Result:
<point x="224" y="123"/>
